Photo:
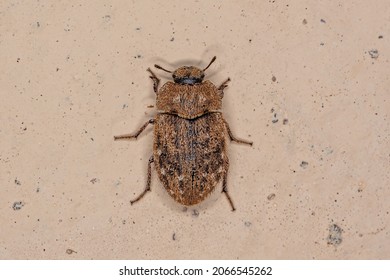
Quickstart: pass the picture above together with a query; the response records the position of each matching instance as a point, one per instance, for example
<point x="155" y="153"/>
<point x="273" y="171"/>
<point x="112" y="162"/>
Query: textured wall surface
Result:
<point x="310" y="87"/>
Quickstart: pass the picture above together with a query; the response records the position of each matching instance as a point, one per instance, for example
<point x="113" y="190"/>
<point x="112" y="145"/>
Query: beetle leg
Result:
<point x="233" y="138"/>
<point x="224" y="185"/>
<point x="135" y="135"/>
<point x="156" y="80"/>
<point x="222" y="86"/>
<point x="148" y="182"/>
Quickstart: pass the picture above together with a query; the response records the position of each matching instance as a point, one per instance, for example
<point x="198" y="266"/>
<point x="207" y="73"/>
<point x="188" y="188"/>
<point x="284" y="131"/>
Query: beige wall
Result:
<point x="72" y="76"/>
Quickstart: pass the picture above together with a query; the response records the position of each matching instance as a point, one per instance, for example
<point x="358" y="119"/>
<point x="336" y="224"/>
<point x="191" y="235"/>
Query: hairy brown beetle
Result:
<point x="189" y="150"/>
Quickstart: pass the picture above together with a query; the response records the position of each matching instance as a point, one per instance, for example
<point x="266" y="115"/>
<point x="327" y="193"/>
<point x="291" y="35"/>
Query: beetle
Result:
<point x="189" y="149"/>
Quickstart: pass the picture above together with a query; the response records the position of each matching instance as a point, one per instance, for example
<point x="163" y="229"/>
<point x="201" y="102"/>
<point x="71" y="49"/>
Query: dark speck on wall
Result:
<point x="247" y="224"/>
<point x="195" y="213"/>
<point x="271" y="196"/>
<point x="334" y="237"/>
<point x="17" y="205"/>
<point x="70" y="251"/>
<point x="304" y="164"/>
<point x="373" y="53"/>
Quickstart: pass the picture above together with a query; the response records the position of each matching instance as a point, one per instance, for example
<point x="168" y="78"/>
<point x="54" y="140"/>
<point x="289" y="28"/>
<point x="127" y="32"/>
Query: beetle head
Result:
<point x="188" y="75"/>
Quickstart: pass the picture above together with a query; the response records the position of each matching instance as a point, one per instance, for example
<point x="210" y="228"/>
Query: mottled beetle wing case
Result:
<point x="190" y="156"/>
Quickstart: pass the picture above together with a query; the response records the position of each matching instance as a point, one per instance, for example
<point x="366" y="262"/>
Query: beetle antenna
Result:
<point x="159" y="67"/>
<point x="211" y="62"/>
